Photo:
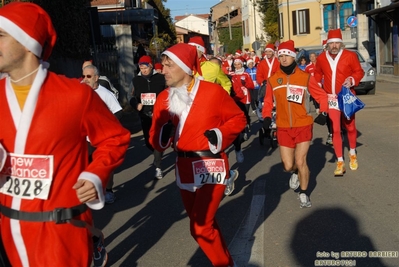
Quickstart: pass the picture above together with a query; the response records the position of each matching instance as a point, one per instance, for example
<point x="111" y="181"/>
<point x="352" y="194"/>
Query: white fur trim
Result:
<point x="286" y="52"/>
<point x="334" y="40"/>
<point x="177" y="60"/>
<point x="269" y="49"/>
<point x="96" y="204"/>
<point x="216" y="149"/>
<point x="199" y="47"/>
<point x="22" y="37"/>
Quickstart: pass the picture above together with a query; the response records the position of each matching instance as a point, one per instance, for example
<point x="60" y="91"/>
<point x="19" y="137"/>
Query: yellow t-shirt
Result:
<point x="21" y="93"/>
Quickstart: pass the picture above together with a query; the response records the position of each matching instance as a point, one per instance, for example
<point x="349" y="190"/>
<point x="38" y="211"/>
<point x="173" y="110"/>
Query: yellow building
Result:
<point x="307" y="22"/>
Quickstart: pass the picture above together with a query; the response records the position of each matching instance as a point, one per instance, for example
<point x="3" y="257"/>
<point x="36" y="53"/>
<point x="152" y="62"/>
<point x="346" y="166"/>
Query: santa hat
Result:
<point x="31" y="26"/>
<point x="238" y="52"/>
<point x="198" y="43"/>
<point x="334" y="36"/>
<point x="239" y="60"/>
<point x="185" y="56"/>
<point x="145" y="60"/>
<point x="158" y="66"/>
<point x="287" y="48"/>
<point x="250" y="61"/>
<point x="324" y="42"/>
<point x="269" y="47"/>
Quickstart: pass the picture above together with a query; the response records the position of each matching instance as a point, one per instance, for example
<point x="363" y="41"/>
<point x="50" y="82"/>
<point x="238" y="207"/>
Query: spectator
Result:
<point x="47" y="117"/>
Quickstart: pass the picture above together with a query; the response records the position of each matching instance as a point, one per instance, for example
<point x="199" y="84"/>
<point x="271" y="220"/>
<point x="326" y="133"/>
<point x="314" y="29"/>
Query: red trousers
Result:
<point x="201" y="207"/>
<point x="337" y="119"/>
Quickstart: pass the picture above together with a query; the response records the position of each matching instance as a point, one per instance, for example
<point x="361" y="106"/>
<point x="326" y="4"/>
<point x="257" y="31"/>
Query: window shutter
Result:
<point x="307" y="16"/>
<point x="294" y="22"/>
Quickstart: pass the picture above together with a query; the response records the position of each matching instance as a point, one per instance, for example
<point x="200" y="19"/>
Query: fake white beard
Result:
<point x="179" y="100"/>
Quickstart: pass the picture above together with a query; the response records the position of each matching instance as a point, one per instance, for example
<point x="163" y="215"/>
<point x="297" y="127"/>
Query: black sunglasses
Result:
<point x="88" y="76"/>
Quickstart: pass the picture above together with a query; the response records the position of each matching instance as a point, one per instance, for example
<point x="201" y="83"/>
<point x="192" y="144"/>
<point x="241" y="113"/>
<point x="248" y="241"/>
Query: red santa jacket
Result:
<point x="335" y="71"/>
<point x="49" y="154"/>
<point x="242" y="83"/>
<point x="266" y="68"/>
<point x="209" y="108"/>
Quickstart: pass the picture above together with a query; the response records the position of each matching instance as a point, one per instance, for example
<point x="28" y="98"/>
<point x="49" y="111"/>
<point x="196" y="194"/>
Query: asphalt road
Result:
<point x="350" y="218"/>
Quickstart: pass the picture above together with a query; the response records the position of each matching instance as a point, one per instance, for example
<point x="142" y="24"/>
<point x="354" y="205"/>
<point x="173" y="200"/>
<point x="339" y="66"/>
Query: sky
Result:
<point x="183" y="7"/>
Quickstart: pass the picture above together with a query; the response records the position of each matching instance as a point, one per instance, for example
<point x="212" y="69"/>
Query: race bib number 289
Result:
<point x="27" y="176"/>
<point x="209" y="171"/>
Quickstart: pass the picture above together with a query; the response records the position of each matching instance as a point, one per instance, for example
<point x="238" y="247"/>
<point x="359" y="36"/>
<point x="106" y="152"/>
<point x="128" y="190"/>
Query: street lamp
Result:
<point x="228" y="18"/>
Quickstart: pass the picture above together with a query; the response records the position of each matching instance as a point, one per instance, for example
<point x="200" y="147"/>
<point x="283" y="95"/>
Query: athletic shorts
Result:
<point x="289" y="137"/>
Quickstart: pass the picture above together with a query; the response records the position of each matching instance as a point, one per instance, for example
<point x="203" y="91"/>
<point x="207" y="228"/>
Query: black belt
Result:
<point x="198" y="154"/>
<point x="58" y="215"/>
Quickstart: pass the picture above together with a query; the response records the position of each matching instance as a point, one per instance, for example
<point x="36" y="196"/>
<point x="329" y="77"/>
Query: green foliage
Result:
<point x="230" y="46"/>
<point x="166" y="29"/>
<point x="269" y="9"/>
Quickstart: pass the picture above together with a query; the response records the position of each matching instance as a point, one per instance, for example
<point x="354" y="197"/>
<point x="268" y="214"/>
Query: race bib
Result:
<point x="27" y="176"/>
<point x="295" y="94"/>
<point x="209" y="171"/>
<point x="333" y="101"/>
<point x="148" y="99"/>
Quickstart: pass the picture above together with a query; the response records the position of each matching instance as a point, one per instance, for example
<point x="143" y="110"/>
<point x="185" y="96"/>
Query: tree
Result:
<point x="269" y="9"/>
<point x="236" y="42"/>
<point x="166" y="29"/>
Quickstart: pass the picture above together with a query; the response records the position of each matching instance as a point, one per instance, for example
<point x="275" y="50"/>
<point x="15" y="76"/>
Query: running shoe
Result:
<point x="340" y="170"/>
<point x="100" y="255"/>
<point x="230" y="182"/>
<point x="304" y="201"/>
<point x="158" y="173"/>
<point x="109" y="197"/>
<point x="294" y="181"/>
<point x="353" y="162"/>
<point x="329" y="140"/>
<point x="239" y="156"/>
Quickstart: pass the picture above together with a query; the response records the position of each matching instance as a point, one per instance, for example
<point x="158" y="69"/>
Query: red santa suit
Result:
<point x="334" y="69"/>
<point x="242" y="83"/>
<point x="310" y="68"/>
<point x="46" y="155"/>
<point x="266" y="68"/>
<point x="201" y="178"/>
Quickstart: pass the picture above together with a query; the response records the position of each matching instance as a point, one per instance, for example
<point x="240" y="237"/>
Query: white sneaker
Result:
<point x="158" y="173"/>
<point x="109" y="197"/>
<point x="294" y="181"/>
<point x="239" y="156"/>
<point x="230" y="182"/>
<point x="304" y="201"/>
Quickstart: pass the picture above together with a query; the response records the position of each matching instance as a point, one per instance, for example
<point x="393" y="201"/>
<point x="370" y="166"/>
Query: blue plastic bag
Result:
<point x="348" y="103"/>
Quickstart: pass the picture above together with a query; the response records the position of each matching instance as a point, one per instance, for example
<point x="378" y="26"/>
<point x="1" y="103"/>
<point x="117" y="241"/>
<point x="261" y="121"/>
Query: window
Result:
<point x="301" y="21"/>
<point x="332" y="15"/>
<point x="281" y="26"/>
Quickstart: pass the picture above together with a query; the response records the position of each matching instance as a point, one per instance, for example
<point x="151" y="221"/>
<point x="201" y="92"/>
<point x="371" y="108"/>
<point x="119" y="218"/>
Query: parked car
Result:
<point x="368" y="82"/>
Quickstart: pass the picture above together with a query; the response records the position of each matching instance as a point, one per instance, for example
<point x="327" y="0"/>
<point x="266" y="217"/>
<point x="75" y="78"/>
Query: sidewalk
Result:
<point x="387" y="78"/>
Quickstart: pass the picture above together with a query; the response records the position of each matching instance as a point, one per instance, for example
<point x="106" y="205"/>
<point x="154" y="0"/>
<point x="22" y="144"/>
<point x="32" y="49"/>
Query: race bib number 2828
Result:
<point x="27" y="176"/>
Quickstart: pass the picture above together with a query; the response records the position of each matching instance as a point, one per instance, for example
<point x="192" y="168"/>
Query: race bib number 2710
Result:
<point x="27" y="176"/>
<point x="209" y="171"/>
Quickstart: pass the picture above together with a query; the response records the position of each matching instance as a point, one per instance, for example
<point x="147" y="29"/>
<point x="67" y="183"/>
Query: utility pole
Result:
<point x="228" y="18"/>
